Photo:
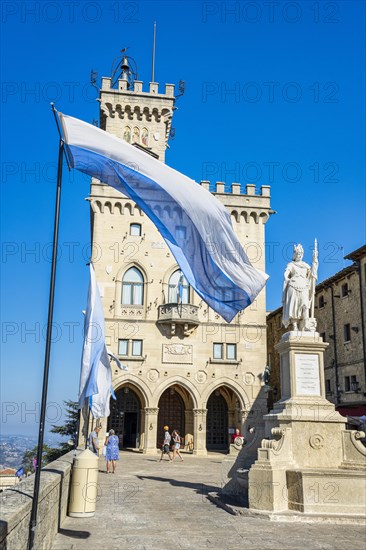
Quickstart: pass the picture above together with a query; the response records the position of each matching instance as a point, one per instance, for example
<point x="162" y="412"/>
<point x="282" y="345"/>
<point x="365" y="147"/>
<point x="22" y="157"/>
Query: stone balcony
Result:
<point x="173" y="315"/>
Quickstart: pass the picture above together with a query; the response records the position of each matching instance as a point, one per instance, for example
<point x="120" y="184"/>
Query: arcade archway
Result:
<point x="224" y="413"/>
<point x="217" y="423"/>
<point x="176" y="411"/>
<point x="125" y="417"/>
<point x="171" y="412"/>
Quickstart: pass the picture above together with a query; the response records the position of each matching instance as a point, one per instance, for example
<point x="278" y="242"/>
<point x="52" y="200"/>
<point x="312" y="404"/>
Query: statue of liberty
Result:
<point x="299" y="291"/>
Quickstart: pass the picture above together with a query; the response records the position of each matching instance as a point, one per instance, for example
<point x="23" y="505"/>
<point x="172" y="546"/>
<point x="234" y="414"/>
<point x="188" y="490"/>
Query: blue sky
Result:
<point x="274" y="95"/>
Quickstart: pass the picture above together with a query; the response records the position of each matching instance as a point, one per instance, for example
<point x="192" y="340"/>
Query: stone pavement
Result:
<point x="153" y="505"/>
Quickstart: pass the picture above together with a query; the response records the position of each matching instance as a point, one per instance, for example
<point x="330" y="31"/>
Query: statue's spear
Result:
<point x="314" y="270"/>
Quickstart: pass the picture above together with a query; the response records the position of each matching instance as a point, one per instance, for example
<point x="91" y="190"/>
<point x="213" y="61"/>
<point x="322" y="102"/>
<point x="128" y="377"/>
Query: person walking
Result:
<point x="165" y="449"/>
<point x="177" y="441"/>
<point x="112" y="453"/>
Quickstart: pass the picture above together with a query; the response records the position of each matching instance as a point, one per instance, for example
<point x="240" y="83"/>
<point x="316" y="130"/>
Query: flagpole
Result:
<point x="77" y="434"/>
<point x="153" y="55"/>
<point x="33" y="518"/>
<point x="88" y="430"/>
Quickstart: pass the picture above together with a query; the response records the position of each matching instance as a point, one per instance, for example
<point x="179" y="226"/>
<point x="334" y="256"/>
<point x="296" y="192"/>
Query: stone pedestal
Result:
<point x="199" y="420"/>
<point x="151" y="423"/>
<point x="309" y="462"/>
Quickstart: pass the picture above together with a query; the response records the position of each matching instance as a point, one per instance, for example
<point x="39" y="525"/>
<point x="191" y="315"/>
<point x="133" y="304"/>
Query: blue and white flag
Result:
<point x="94" y="342"/>
<point x="116" y="360"/>
<point x="194" y="224"/>
<point x="20" y="472"/>
<point x="99" y="402"/>
<point x="96" y="373"/>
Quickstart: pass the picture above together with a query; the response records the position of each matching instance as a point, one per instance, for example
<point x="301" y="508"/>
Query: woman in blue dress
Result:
<point x="112" y="453"/>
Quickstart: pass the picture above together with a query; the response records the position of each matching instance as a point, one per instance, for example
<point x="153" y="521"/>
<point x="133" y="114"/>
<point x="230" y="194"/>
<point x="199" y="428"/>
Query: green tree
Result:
<point x="28" y="456"/>
<point x="69" y="429"/>
<point x="27" y="460"/>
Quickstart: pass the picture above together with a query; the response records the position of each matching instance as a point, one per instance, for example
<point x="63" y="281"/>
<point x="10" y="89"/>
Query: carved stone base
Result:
<point x="320" y="491"/>
<point x="308" y="462"/>
<point x="304" y="465"/>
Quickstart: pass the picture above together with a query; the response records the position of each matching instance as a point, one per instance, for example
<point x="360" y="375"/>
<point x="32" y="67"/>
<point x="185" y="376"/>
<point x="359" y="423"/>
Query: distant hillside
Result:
<point x="13" y="447"/>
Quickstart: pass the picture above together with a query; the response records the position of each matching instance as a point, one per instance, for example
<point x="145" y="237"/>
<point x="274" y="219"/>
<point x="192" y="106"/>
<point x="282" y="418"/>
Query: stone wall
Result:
<point x="349" y="358"/>
<point x="16" y="505"/>
<point x="275" y="330"/>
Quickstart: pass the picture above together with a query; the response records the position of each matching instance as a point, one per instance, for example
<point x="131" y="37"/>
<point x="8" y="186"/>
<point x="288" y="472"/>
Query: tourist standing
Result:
<point x="93" y="440"/>
<point x="165" y="449"/>
<point x="112" y="453"/>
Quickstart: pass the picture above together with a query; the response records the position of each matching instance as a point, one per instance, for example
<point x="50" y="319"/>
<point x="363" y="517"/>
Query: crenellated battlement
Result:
<point x="249" y="207"/>
<point x="250" y="189"/>
<point x="138" y="86"/>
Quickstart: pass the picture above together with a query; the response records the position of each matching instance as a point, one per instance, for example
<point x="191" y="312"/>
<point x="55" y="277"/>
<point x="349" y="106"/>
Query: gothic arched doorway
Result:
<point x="125" y="417"/>
<point x="217" y="423"/>
<point x="171" y="413"/>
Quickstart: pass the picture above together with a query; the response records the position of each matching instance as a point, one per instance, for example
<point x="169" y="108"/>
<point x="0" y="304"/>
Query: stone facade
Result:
<point x="275" y="330"/>
<point x="187" y="367"/>
<point x="340" y="303"/>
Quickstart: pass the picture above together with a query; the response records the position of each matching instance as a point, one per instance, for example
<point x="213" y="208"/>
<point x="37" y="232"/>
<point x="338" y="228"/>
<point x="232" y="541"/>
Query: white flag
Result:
<point x="94" y="342"/>
<point x="194" y="224"/>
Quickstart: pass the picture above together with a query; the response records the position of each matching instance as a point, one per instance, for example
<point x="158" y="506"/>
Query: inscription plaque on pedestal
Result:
<point x="307" y="374"/>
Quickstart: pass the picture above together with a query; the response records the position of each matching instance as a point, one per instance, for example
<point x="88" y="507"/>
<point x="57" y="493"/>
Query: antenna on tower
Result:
<point x="153" y="55"/>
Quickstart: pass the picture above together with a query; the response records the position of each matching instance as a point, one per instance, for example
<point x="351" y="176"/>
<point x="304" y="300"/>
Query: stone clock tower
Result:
<point x="140" y="117"/>
<point x="187" y="367"/>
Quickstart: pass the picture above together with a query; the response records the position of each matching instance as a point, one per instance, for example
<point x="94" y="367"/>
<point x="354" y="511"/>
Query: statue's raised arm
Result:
<point x="298" y="290"/>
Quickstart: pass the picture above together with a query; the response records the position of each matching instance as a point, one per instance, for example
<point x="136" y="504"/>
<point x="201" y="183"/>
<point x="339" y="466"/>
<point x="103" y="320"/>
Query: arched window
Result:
<point x="178" y="288"/>
<point x="133" y="288"/>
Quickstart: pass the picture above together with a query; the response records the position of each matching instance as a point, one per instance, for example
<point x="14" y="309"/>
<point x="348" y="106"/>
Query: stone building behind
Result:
<point x="187" y="367"/>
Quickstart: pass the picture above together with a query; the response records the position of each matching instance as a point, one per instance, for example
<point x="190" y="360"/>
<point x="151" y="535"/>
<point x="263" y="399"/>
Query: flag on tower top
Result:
<point x="194" y="224"/>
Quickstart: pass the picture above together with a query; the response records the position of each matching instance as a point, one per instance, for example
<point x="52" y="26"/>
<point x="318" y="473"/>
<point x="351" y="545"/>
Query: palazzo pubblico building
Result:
<point x="187" y="367"/>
